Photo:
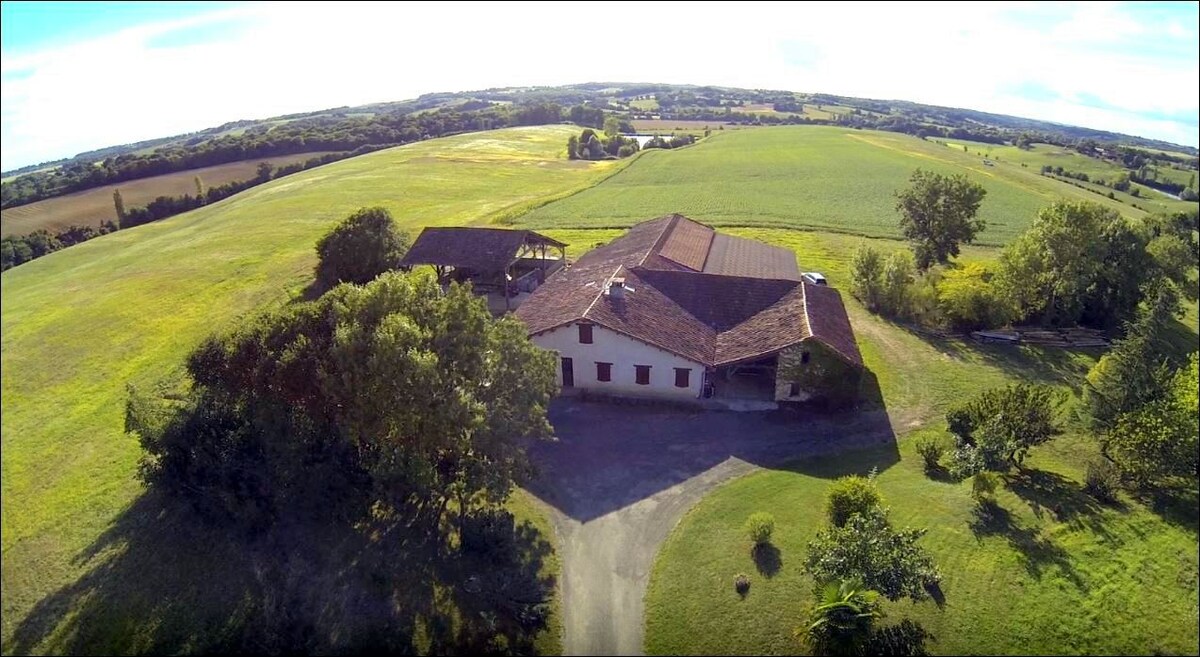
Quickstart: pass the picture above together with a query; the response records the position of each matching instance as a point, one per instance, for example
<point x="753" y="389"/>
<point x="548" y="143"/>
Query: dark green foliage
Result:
<point x="390" y="395"/>
<point x="999" y="426"/>
<point x="937" y="214"/>
<point x="850" y="496"/>
<point x="841" y="622"/>
<point x="590" y="146"/>
<point x="363" y="246"/>
<point x="931" y="451"/>
<point x="1102" y="480"/>
<point x="1158" y="440"/>
<point x="866" y="277"/>
<point x="759" y="527"/>
<point x="868" y="548"/>
<point x="16" y="250"/>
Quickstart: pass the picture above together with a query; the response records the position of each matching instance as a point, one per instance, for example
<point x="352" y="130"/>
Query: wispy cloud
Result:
<point x="1127" y="68"/>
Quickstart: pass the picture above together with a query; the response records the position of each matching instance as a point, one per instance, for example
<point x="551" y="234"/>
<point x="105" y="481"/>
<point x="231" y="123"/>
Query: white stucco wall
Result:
<point x="623" y="352"/>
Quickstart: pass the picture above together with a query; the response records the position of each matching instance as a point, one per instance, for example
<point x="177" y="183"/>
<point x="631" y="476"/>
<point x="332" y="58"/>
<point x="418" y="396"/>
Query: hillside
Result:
<point x="90" y="207"/>
<point x="80" y="324"/>
<point x="813" y="177"/>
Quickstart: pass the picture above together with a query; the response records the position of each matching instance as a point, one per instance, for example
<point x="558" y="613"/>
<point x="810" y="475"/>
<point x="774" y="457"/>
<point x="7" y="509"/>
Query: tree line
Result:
<point x="319" y="133"/>
<point x="19" y="249"/>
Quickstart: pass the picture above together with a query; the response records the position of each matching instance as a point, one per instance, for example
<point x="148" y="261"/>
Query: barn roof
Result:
<point x="480" y="249"/>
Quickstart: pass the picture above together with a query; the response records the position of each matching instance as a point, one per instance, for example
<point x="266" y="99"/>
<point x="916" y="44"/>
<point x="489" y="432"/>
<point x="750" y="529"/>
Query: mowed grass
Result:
<point x="80" y="324"/>
<point x="1059" y="575"/>
<point x="821" y="177"/>
<point x="93" y="206"/>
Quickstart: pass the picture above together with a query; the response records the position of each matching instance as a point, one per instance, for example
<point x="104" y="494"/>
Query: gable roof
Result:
<point x="673" y="300"/>
<point x="481" y="249"/>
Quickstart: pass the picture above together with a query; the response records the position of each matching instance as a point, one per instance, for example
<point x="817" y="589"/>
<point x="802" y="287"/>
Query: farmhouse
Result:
<point x="675" y="309"/>
<point x="503" y="265"/>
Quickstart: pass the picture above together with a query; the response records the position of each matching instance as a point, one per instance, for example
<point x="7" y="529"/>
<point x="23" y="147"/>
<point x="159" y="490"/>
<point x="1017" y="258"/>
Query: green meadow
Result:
<point x="813" y="177"/>
<point x="126" y="308"/>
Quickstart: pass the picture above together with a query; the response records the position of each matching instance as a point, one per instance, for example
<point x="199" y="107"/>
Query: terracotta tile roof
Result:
<point x="710" y="318"/>
<point x="481" y="249"/>
<point x="738" y="256"/>
<point x="687" y="243"/>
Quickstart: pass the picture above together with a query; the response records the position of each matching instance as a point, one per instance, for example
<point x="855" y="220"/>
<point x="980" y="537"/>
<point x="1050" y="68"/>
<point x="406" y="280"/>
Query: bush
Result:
<point x="984" y="486"/>
<point x="851" y="495"/>
<point x="1101" y="480"/>
<point x="759" y="527"/>
<point x="365" y="245"/>
<point x="969" y="299"/>
<point x="931" y="451"/>
<point x="741" y="584"/>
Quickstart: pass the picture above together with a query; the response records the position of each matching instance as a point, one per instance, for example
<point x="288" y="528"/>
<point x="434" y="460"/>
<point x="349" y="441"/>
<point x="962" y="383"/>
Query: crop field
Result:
<point x="678" y="126"/>
<point x="813" y="177"/>
<point x="93" y="206"/>
<point x="126" y="308"/>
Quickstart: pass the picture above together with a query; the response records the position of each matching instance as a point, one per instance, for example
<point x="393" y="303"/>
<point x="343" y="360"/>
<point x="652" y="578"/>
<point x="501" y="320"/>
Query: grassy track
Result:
<point x="80" y="324"/>
<point x="91" y="207"/>
<point x="818" y="177"/>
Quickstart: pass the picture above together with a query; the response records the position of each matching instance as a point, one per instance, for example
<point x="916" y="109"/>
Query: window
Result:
<point x="794" y="389"/>
<point x="643" y="374"/>
<point x="804" y="357"/>
<point x="585" y="333"/>
<point x="681" y="377"/>
<point x="604" y="371"/>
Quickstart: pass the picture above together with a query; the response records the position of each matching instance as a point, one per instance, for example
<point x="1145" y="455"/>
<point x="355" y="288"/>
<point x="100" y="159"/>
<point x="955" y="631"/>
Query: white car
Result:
<point x="814" y="278"/>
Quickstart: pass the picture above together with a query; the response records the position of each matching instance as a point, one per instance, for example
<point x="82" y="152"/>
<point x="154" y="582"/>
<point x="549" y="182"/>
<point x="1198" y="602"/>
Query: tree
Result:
<point x="573" y="147"/>
<point x="849" y="496"/>
<point x="1133" y="372"/>
<point x="1158" y="440"/>
<point x="199" y="189"/>
<point x="868" y="548"/>
<point x="969" y="299"/>
<point x="361" y="247"/>
<point x="866" y="276"/>
<point x="899" y="270"/>
<point x="937" y="214"/>
<point x="391" y="399"/>
<point x="1002" y="424"/>
<point x="612" y="127"/>
<point x="263" y="172"/>
<point x="842" y="621"/>
<point x="119" y="206"/>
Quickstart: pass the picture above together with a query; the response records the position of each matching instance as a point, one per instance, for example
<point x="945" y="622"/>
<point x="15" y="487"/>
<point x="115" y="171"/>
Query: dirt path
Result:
<point x="621" y="477"/>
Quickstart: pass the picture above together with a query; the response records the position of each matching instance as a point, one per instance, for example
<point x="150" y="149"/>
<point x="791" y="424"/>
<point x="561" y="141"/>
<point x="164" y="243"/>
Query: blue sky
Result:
<point x="78" y="76"/>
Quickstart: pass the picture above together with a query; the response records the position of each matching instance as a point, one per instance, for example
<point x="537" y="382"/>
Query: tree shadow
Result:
<point x="904" y="638"/>
<point x="940" y="474"/>
<point x="767" y="559"/>
<point x="1063" y="499"/>
<point x="1036" y="551"/>
<point x="1178" y="505"/>
<point x="609" y="456"/>
<point x="161" y="580"/>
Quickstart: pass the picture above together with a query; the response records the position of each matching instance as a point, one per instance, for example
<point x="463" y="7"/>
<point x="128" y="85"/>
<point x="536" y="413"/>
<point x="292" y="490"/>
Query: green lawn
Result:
<point x="1084" y="579"/>
<point x="820" y="177"/>
<point x="80" y="324"/>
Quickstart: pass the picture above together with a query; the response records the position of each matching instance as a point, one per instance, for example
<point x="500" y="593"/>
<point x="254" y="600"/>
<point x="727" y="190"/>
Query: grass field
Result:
<point x="80" y="324"/>
<point x="93" y="206"/>
<point x="1082" y="579"/>
<point x="1040" y="155"/>
<point x="820" y="177"/>
<point x="679" y="126"/>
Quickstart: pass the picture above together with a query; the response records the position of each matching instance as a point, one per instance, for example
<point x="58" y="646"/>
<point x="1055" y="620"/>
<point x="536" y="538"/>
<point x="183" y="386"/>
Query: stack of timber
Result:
<point x="1068" y="338"/>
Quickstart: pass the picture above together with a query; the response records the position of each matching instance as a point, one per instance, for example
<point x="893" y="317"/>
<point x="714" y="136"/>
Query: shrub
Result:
<point x="866" y="277"/>
<point x="931" y="451"/>
<point x="984" y="486"/>
<point x="969" y="299"/>
<point x="841" y="622"/>
<point x="851" y="495"/>
<point x="741" y="584"/>
<point x="868" y="548"/>
<point x="1101" y="480"/>
<point x="759" y="527"/>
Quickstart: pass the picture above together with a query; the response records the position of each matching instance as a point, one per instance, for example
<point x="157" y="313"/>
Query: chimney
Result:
<point x="616" y="289"/>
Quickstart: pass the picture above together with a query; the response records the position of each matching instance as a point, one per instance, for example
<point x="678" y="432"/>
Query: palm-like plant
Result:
<point x="842" y="620"/>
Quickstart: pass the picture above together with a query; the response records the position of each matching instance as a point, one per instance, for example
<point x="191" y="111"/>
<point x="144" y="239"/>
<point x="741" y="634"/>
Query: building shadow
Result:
<point x="161" y="580"/>
<point x="609" y="456"/>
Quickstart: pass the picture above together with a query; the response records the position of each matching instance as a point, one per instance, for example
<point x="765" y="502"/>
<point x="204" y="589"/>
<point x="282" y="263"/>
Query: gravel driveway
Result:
<point x="621" y="476"/>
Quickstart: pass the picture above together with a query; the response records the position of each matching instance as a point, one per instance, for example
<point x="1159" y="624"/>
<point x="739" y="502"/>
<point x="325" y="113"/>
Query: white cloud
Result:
<point x="283" y="59"/>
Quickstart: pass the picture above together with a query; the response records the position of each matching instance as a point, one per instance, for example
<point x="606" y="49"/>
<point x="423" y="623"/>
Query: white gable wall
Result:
<point x="623" y="352"/>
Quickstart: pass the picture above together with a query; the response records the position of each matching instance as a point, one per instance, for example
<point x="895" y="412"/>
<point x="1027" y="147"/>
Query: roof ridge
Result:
<point x="600" y="293"/>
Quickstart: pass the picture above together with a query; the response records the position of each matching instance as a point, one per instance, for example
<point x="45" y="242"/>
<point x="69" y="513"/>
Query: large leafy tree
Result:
<point x="361" y="247"/>
<point x="937" y="214"/>
<point x="1158" y="440"/>
<point x="869" y="549"/>
<point x="1002" y="424"/>
<point x="391" y="396"/>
